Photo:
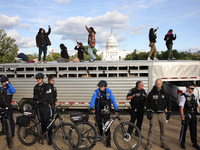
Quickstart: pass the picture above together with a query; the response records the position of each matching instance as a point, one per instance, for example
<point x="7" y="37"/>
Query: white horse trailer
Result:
<point x="76" y="82"/>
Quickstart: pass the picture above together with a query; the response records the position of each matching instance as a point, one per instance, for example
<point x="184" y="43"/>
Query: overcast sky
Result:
<point x="130" y="21"/>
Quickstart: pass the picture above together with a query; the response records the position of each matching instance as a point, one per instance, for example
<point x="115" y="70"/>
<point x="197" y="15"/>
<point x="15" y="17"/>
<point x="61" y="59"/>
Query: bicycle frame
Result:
<point x="4" y="115"/>
<point x="112" y="119"/>
<point x="58" y="116"/>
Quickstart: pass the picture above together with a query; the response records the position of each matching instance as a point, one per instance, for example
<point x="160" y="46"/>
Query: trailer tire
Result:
<point x="25" y="105"/>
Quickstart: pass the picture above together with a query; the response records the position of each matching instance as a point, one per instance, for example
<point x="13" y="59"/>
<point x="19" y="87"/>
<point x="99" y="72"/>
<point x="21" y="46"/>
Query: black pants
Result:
<point x="136" y="113"/>
<point x="105" y="117"/>
<point x="192" y="122"/>
<point x="12" y="123"/>
<point x="44" y="50"/>
<point x="45" y="118"/>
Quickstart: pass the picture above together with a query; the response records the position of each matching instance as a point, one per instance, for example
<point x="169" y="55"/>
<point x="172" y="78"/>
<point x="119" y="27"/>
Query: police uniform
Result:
<point x="137" y="107"/>
<point x="157" y="102"/>
<point x="42" y="96"/>
<point x="102" y="102"/>
<point x="53" y="96"/>
<point x="6" y="99"/>
<point x="190" y="104"/>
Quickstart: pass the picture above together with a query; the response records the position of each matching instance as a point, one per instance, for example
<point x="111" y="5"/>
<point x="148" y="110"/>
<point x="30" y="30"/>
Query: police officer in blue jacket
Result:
<point x="41" y="96"/>
<point x="102" y="99"/>
<point x="7" y="91"/>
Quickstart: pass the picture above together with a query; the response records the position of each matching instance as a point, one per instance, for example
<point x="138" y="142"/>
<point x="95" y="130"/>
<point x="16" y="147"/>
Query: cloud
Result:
<point x="63" y="1"/>
<point x="21" y="41"/>
<point x="11" y="22"/>
<point x="74" y="27"/>
<point x="138" y="30"/>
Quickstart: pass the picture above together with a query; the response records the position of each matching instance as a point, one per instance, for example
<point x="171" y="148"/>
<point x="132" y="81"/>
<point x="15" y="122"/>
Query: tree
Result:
<point x="56" y="56"/>
<point x="32" y="56"/>
<point x="8" y="48"/>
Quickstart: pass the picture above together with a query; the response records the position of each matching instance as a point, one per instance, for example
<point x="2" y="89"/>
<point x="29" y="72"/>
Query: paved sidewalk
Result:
<point x="172" y="137"/>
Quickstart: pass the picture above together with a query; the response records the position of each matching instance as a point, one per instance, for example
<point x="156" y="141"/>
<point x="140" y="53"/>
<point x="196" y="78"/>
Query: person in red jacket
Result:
<point x="91" y="42"/>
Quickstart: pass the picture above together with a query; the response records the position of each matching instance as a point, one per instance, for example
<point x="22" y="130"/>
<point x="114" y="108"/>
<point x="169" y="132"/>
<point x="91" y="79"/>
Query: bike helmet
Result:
<point x="39" y="75"/>
<point x="4" y="79"/>
<point x="102" y="83"/>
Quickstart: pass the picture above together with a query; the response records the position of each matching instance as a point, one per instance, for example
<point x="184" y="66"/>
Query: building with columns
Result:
<point x="112" y="52"/>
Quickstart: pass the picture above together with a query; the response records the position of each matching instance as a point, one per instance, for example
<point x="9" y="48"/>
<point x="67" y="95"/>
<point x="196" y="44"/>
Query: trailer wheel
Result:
<point x="25" y="105"/>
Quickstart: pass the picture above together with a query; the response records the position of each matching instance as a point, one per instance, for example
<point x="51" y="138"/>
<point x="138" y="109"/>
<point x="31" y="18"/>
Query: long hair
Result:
<point x="151" y="31"/>
<point x="81" y="45"/>
<point x="92" y="29"/>
<point x="63" y="47"/>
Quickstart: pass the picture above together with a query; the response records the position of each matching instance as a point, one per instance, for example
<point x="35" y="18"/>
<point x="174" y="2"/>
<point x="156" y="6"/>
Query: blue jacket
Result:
<point x="96" y="96"/>
<point x="11" y="90"/>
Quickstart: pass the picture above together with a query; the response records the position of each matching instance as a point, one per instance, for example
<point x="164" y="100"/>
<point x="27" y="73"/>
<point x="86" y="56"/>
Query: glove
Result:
<point x="183" y="122"/>
<point x="168" y="115"/>
<point x="149" y="115"/>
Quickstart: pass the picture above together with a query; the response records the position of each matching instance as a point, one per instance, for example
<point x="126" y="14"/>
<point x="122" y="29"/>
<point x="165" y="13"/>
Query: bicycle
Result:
<point x="6" y="125"/>
<point x="65" y="135"/>
<point x="122" y="139"/>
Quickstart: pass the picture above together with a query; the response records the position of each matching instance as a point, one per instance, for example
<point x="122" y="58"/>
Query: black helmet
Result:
<point x="4" y="79"/>
<point x="39" y="75"/>
<point x="102" y="83"/>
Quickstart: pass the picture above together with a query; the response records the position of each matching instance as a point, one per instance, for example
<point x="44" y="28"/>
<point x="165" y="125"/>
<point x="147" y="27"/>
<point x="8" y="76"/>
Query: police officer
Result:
<point x="7" y="91"/>
<point x="157" y="102"/>
<point x="138" y="97"/>
<point x="188" y="108"/>
<point x="41" y="96"/>
<point x="102" y="99"/>
<point x="53" y="97"/>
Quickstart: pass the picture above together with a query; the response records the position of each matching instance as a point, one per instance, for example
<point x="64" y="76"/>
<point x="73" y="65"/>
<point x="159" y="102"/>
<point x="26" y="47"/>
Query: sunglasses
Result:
<point x="192" y="88"/>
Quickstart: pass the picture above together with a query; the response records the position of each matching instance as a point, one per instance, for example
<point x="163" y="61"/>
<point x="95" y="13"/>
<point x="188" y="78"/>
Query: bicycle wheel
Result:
<point x="29" y="135"/>
<point x="123" y="140"/>
<point x="88" y="135"/>
<point x="66" y="136"/>
<point x="8" y="133"/>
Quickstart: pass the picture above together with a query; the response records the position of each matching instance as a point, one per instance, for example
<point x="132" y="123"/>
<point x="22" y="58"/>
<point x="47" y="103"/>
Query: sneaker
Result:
<point x="148" y="146"/>
<point x="169" y="59"/>
<point x="183" y="146"/>
<point x="44" y="61"/>
<point x="108" y="144"/>
<point x="155" y="58"/>
<point x="2" y="133"/>
<point x="149" y="59"/>
<point x="196" y="146"/>
<point x="39" y="62"/>
<point x="165" y="147"/>
<point x="173" y="58"/>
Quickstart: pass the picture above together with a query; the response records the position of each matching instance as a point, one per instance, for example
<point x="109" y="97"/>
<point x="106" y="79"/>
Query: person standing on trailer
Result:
<point x="152" y="40"/>
<point x="91" y="42"/>
<point x="42" y="41"/>
<point x="102" y="99"/>
<point x="138" y="98"/>
<point x="169" y="37"/>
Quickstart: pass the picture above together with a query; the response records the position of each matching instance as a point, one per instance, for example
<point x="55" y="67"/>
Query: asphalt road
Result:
<point x="172" y="136"/>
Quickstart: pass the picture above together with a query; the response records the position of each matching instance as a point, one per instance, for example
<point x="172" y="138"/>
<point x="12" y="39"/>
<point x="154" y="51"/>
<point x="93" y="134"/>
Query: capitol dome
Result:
<point x="111" y="43"/>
